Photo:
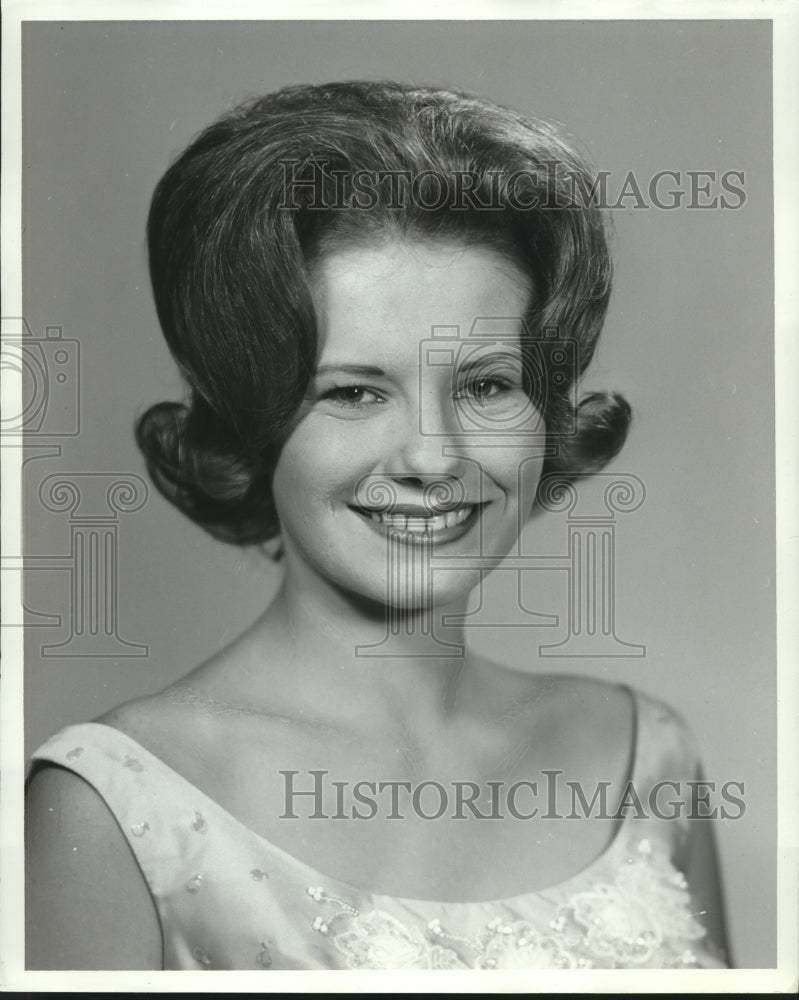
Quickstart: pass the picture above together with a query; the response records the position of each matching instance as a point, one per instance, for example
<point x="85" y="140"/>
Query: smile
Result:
<point x="417" y="525"/>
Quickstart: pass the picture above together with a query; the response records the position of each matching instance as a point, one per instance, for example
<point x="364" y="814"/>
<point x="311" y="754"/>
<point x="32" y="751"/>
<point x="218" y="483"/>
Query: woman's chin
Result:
<point x="408" y="594"/>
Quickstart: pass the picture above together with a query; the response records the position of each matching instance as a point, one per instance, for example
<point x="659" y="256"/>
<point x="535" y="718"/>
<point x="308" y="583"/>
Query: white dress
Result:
<point x="228" y="899"/>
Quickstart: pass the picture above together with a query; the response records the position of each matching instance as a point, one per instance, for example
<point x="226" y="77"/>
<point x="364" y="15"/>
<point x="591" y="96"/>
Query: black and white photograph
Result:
<point x="399" y="479"/>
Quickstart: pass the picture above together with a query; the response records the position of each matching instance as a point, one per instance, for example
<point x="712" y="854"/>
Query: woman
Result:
<point x="373" y="292"/>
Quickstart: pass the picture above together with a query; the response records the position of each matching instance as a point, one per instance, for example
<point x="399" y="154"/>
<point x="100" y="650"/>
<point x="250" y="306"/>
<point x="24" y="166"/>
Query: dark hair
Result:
<point x="237" y="221"/>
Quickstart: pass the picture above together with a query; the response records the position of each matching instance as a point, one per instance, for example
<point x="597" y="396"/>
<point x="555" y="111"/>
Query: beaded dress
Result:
<point x="229" y="899"/>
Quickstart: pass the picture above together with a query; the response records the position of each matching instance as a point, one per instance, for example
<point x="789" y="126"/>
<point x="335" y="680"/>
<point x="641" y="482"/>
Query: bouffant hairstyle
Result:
<point x="240" y="218"/>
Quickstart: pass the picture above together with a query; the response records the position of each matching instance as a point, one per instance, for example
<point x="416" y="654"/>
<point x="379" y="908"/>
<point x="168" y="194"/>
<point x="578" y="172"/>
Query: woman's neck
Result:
<point x="327" y="650"/>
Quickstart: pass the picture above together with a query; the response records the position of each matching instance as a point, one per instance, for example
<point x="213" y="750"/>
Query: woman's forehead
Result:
<point x="387" y="254"/>
<point x="387" y="297"/>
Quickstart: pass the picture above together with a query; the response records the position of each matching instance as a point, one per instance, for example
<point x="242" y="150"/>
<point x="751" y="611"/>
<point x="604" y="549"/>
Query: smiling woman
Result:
<point x="351" y="435"/>
<point x="382" y="377"/>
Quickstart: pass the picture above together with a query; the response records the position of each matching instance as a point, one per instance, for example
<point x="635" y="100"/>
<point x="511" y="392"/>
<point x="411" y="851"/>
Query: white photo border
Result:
<point x="785" y="18"/>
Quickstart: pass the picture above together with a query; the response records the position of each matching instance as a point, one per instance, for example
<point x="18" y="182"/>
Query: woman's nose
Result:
<point x="427" y="445"/>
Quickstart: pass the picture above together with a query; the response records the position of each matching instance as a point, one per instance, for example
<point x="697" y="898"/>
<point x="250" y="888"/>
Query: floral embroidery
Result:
<point x="639" y="919"/>
<point x="643" y="918"/>
<point x="512" y="945"/>
<point x="520" y="946"/>
<point x="318" y="895"/>
<point x="377" y="940"/>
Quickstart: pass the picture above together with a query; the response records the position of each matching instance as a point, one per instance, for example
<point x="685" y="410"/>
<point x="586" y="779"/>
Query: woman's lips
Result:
<point x="419" y="525"/>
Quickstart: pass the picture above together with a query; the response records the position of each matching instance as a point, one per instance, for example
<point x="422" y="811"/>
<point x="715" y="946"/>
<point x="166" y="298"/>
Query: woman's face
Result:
<point x="417" y="441"/>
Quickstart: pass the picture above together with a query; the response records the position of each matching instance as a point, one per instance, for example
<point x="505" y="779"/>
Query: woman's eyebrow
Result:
<point x="372" y="371"/>
<point x="352" y="370"/>
<point x="479" y="363"/>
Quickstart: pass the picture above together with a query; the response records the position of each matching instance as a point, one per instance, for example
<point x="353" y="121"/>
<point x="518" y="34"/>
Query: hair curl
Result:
<point x="240" y="217"/>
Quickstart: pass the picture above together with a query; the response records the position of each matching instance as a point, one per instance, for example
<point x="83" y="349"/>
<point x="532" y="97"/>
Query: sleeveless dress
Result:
<point x="229" y="899"/>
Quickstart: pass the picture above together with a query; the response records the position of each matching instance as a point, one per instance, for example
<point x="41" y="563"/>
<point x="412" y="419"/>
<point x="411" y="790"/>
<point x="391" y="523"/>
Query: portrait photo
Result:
<point x="391" y="574"/>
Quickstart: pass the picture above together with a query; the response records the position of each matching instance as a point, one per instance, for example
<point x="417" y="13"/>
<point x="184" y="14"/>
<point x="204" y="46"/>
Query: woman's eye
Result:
<point x="481" y="390"/>
<point x="352" y="396"/>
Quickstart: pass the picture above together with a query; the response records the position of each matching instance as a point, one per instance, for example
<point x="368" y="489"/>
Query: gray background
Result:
<point x="688" y="339"/>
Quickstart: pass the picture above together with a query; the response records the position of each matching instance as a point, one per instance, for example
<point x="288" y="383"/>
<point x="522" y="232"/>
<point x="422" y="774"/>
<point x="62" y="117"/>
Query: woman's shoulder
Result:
<point x="82" y="758"/>
<point x="575" y="700"/>
<point x="175" y="725"/>
<point x="199" y="726"/>
<point x="612" y="715"/>
<point x="152" y="719"/>
<point x="580" y="695"/>
<point x="187" y="714"/>
<point x="80" y="867"/>
<point x="598" y="717"/>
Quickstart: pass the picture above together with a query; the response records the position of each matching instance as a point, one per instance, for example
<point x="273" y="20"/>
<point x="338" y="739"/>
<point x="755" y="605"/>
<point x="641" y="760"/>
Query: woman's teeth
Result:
<point x="419" y="524"/>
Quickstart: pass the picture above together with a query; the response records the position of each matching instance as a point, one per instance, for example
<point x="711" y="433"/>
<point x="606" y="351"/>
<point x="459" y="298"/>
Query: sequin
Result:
<point x="200" y="956"/>
<point x="636" y="914"/>
<point x="132" y="763"/>
<point x="194" y="884"/>
<point x="639" y="918"/>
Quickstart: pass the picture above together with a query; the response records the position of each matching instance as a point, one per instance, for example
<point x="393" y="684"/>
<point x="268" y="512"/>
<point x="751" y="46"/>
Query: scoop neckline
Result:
<point x="317" y="877"/>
